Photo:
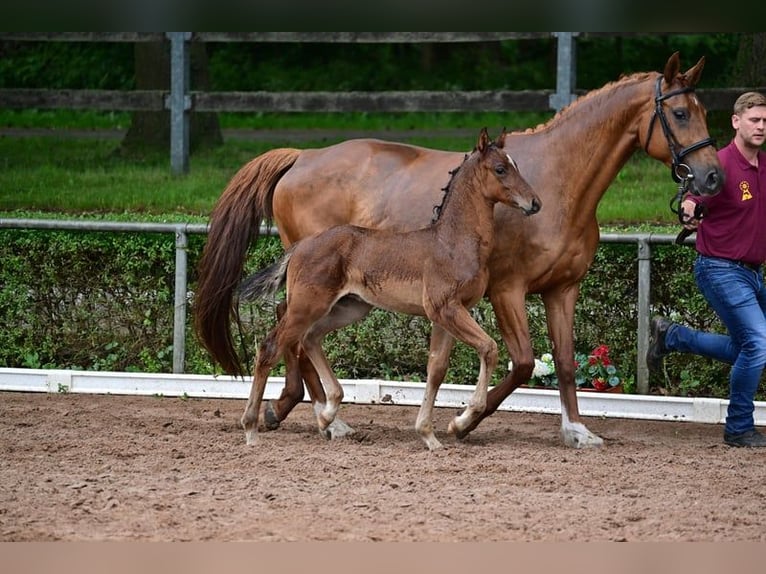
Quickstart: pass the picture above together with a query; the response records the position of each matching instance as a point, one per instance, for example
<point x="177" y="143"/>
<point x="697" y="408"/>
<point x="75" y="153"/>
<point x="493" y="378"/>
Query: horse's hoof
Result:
<point x="270" y="419"/>
<point x="578" y="436"/>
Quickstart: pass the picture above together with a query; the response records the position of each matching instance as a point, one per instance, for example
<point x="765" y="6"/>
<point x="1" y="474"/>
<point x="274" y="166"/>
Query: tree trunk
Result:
<point x="751" y="60"/>
<point x="152" y="129"/>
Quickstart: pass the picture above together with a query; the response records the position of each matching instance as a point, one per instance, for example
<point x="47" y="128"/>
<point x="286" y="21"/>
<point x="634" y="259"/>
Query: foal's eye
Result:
<point x="681" y="115"/>
<point x="500" y="170"/>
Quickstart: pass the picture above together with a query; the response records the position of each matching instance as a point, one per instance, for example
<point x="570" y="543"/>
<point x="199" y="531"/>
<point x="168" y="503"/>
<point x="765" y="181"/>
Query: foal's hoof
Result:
<point x="455" y="429"/>
<point x="337" y="429"/>
<point x="270" y="419"/>
<point x="250" y="437"/>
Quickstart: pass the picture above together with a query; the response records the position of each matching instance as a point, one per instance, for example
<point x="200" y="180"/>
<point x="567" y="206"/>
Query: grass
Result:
<point x="46" y="175"/>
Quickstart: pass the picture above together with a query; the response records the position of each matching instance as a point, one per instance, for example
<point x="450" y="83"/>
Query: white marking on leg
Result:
<point x="577" y="435"/>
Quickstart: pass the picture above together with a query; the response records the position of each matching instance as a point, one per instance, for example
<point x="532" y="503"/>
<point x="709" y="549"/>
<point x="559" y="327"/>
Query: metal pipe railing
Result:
<point x="182" y="230"/>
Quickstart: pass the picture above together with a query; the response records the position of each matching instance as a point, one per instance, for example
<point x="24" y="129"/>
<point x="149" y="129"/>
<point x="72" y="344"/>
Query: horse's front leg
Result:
<point x="510" y="311"/>
<point x="559" y="310"/>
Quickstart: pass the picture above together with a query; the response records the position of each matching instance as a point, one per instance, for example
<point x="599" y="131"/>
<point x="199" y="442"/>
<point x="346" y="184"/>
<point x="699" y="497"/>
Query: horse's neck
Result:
<point x="589" y="143"/>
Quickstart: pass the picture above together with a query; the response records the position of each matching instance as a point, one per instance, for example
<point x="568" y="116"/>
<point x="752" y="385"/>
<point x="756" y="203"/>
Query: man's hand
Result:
<point x="692" y="214"/>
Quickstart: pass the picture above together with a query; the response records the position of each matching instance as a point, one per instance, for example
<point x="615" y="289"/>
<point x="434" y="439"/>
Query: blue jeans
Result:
<point x="737" y="295"/>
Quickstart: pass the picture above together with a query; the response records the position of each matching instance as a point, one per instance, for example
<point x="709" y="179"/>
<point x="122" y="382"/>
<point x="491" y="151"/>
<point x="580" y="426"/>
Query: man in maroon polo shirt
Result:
<point x="731" y="247"/>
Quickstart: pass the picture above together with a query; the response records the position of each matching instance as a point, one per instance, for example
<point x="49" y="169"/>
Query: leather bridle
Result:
<point x="680" y="172"/>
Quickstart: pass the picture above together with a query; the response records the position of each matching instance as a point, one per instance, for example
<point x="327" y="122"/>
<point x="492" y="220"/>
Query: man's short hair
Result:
<point x="747" y="101"/>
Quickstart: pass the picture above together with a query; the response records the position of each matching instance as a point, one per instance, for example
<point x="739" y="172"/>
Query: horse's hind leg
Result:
<point x="438" y="361"/>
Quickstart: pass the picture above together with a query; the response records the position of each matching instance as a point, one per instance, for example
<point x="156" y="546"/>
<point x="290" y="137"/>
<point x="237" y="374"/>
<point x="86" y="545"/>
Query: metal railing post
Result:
<point x="642" y="335"/>
<point x="566" y="70"/>
<point x="179" y="102"/>
<point x="179" y="315"/>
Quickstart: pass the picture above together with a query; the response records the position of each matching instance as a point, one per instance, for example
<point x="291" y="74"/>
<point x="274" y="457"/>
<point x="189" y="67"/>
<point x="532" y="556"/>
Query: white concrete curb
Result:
<point x="650" y="407"/>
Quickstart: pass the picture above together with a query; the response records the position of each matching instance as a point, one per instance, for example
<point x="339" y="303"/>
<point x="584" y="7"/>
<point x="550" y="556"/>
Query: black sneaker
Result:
<point x="657" y="349"/>
<point x="750" y="439"/>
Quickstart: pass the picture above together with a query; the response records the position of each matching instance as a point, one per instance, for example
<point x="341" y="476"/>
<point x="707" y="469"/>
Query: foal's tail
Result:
<point x="268" y="281"/>
<point x="234" y="224"/>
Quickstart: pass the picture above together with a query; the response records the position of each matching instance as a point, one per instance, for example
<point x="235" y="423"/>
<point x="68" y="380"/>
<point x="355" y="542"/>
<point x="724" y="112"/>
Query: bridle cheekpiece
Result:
<point x="680" y="172"/>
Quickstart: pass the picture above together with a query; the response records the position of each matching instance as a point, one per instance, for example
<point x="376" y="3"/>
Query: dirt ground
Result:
<point x="121" y="468"/>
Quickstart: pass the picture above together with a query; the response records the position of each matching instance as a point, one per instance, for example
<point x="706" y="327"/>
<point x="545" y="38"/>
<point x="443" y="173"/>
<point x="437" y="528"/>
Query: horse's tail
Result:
<point x="234" y="224"/>
<point x="268" y="281"/>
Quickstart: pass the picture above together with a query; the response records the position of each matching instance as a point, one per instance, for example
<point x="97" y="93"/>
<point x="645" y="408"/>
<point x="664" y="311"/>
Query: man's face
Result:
<point x="751" y="126"/>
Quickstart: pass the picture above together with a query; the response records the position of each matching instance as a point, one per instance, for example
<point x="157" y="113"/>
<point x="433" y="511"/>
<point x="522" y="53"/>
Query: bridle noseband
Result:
<point x="680" y="172"/>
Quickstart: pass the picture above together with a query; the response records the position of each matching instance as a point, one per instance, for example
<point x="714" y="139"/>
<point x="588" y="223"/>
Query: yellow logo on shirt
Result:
<point x="745" y="187"/>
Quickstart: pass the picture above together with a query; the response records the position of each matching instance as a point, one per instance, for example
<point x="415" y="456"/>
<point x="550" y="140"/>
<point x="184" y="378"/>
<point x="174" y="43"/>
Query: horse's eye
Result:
<point x="500" y="169"/>
<point x="681" y="115"/>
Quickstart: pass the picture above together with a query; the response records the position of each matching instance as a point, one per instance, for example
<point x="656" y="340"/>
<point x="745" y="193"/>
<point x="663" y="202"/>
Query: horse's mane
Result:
<point x="586" y="99"/>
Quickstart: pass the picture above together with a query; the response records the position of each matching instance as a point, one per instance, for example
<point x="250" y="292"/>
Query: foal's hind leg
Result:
<point x="274" y="412"/>
<point x="312" y="346"/>
<point x="438" y="361"/>
<point x="268" y="355"/>
<point x="346" y="311"/>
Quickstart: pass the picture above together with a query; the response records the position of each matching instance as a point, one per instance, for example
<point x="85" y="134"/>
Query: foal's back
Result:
<point x="385" y="269"/>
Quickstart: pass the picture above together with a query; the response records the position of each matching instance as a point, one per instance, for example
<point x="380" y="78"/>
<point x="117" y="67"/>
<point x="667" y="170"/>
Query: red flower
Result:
<point x="600" y="384"/>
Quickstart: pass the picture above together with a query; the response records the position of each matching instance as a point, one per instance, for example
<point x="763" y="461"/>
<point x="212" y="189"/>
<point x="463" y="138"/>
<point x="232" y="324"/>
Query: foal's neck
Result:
<point x="465" y="209"/>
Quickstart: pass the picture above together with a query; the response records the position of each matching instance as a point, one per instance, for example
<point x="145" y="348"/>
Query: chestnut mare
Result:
<point x="439" y="271"/>
<point x="570" y="161"/>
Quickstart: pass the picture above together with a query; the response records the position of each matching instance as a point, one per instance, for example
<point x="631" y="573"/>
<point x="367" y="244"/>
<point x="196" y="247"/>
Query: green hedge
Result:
<point x="104" y="301"/>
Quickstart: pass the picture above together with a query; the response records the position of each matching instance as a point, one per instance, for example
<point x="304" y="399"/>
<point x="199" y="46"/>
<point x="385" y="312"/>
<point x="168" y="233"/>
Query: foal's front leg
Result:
<point x="438" y="361"/>
<point x="459" y="322"/>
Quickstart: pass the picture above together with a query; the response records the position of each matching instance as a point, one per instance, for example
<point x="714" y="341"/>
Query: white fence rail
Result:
<point x="369" y="392"/>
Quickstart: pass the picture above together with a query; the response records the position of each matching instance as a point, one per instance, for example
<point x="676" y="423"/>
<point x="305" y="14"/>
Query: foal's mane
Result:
<point x="447" y="189"/>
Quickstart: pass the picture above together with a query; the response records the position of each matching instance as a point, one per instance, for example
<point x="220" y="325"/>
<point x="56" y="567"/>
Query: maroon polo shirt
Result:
<point x="735" y="224"/>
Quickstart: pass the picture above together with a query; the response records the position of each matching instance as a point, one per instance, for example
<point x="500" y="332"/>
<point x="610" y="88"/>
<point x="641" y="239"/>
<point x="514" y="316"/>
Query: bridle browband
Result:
<point x="673" y="144"/>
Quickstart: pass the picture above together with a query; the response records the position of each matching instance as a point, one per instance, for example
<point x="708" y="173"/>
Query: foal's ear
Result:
<point x="500" y="141"/>
<point x="693" y="74"/>
<point x="483" y="142"/>
<point x="672" y="68"/>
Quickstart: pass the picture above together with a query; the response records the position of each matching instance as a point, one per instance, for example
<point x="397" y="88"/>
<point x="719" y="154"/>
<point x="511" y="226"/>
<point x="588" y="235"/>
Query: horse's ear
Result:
<point x="483" y="142"/>
<point x="693" y="74"/>
<point x="500" y="141"/>
<point x="672" y="68"/>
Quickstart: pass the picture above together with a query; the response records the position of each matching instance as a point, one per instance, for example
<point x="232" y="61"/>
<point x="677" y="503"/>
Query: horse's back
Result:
<point x="366" y="182"/>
